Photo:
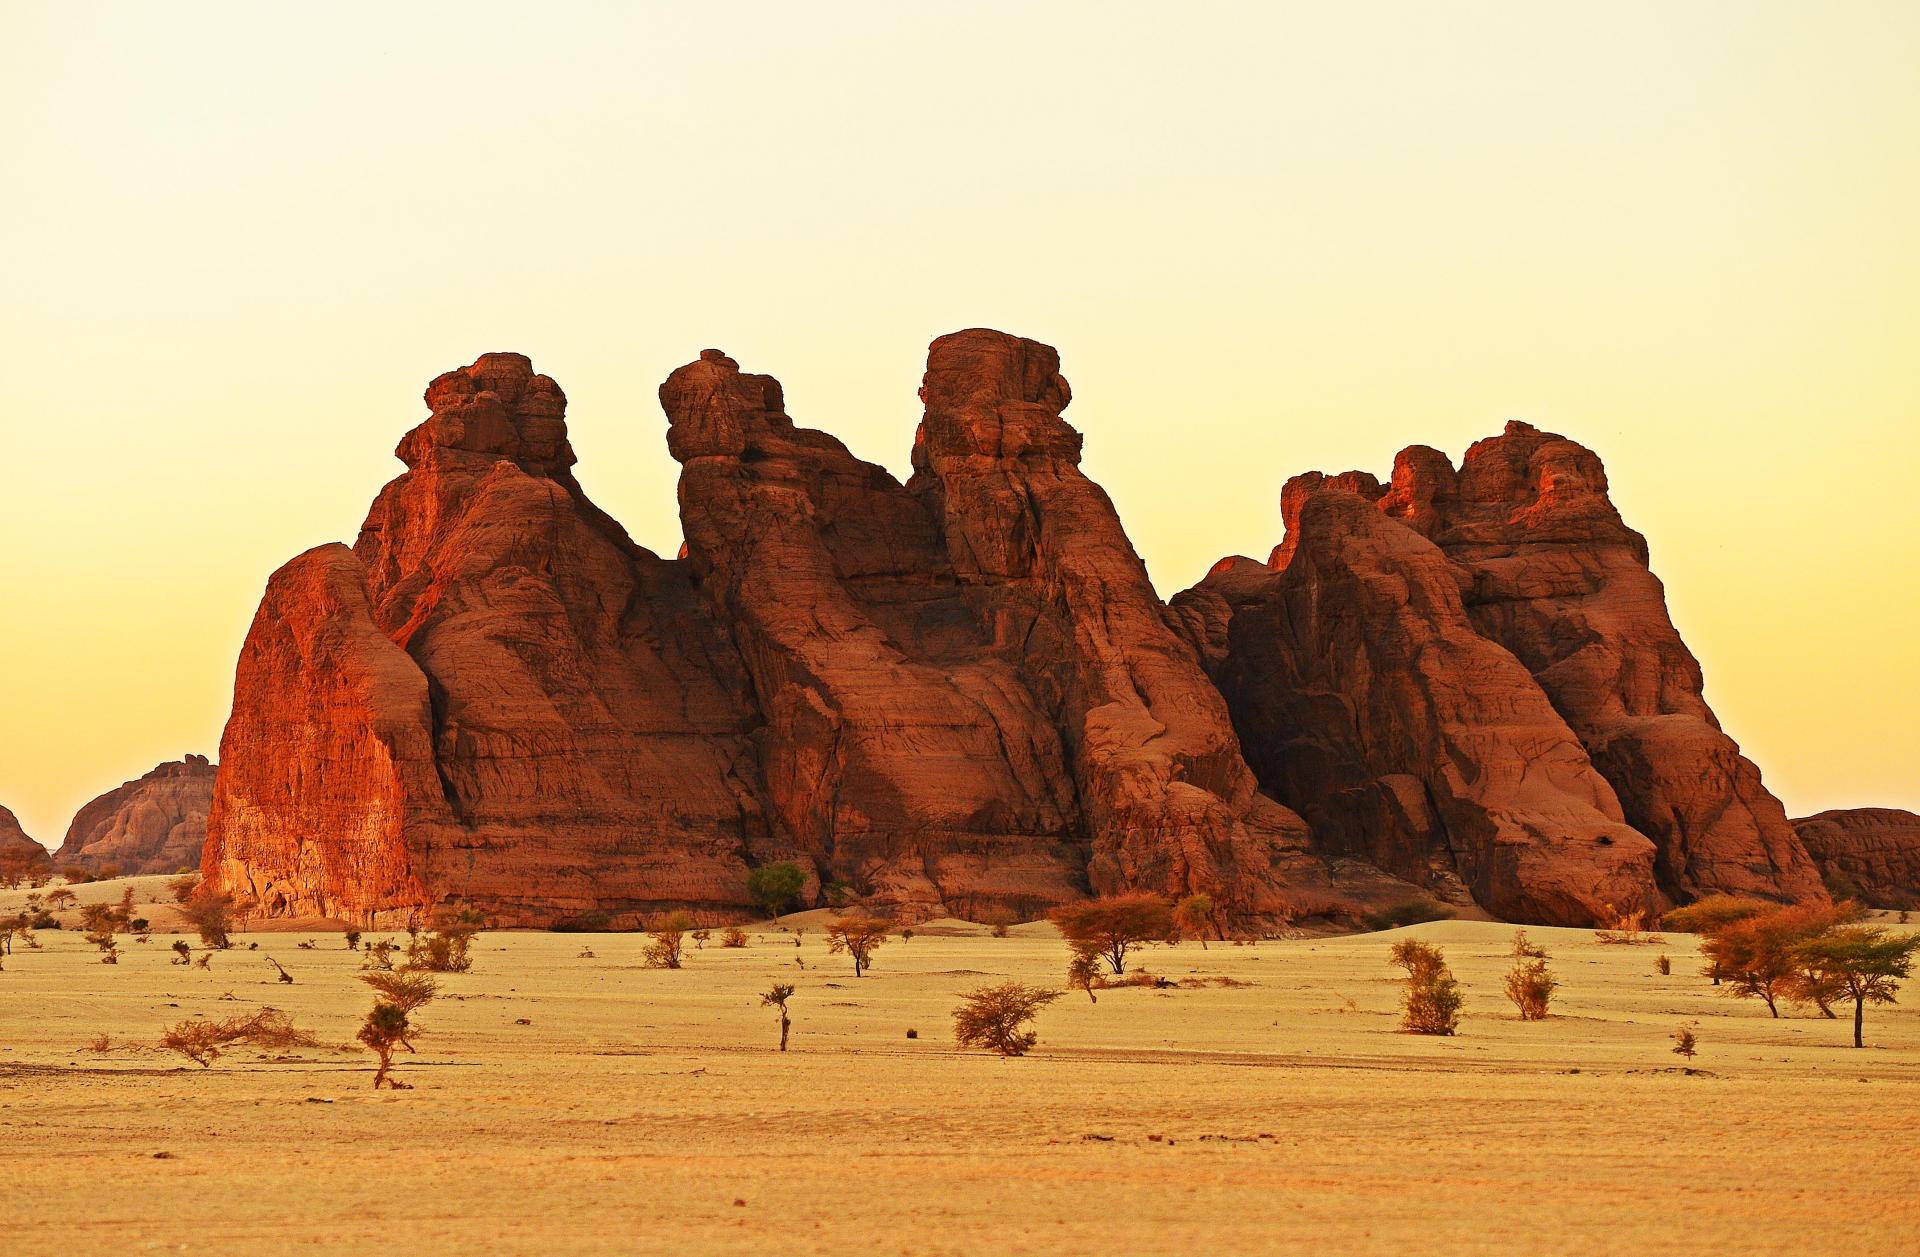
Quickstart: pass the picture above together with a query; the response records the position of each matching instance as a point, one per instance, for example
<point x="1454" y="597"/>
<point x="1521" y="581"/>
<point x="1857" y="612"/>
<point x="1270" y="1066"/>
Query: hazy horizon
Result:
<point x="1265" y="242"/>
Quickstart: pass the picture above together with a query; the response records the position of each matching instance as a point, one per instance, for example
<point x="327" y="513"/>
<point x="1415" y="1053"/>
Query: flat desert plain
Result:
<point x="574" y="1103"/>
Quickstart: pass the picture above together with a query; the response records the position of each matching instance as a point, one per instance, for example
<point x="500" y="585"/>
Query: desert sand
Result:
<point x="567" y="1103"/>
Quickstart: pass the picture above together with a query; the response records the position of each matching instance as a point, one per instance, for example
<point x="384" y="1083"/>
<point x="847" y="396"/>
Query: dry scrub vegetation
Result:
<point x="569" y="1094"/>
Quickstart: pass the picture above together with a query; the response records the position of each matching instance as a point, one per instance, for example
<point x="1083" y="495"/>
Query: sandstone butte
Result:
<point x="154" y="824"/>
<point x="1871" y="854"/>
<point x="961" y="695"/>
<point x="19" y="854"/>
<point x="1471" y="674"/>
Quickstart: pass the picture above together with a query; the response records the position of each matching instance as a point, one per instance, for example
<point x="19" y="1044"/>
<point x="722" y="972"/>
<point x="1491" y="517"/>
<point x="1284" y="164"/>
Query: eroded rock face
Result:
<point x="1367" y="698"/>
<point x="20" y="855"/>
<point x="1871" y="854"/>
<point x="1169" y="803"/>
<point x="943" y="728"/>
<point x="1474" y="672"/>
<point x="154" y="824"/>
<point x="1563" y="583"/>
<point x="495" y="697"/>
<point x="958" y="695"/>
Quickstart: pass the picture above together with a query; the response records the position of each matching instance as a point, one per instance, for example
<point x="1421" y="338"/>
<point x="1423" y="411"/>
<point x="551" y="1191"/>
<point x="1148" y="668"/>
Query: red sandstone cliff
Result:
<point x="153" y="824"/>
<point x="19" y="854"/>
<point x="1480" y="661"/>
<point x="972" y="701"/>
<point x="1871" y="854"/>
<point x="961" y="694"/>
<point x="494" y="697"/>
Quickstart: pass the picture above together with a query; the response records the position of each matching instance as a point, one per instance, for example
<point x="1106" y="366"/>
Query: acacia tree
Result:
<point x="1759" y="954"/>
<point x="995" y="1017"/>
<point x="777" y="998"/>
<point x="773" y="886"/>
<point x="1863" y="962"/>
<point x="859" y="937"/>
<point x="1114" y="926"/>
<point x="1193" y="917"/>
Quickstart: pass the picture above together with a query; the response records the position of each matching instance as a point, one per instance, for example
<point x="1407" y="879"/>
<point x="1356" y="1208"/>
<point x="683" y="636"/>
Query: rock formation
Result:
<point x="1870" y="854"/>
<point x="155" y="824"/>
<point x="1476" y="661"/>
<point x="494" y="697"/>
<point x="19" y="854"/>
<point x="956" y="695"/>
<point x="972" y="700"/>
<point x="961" y="694"/>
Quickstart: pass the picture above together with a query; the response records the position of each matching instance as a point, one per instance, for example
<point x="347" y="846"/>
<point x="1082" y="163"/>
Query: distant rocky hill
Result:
<point x="1868" y="853"/>
<point x="154" y="824"/>
<point x="960" y="694"/>
<point x="19" y="854"/>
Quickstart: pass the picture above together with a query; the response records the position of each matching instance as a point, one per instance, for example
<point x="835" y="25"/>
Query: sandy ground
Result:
<point x="566" y="1103"/>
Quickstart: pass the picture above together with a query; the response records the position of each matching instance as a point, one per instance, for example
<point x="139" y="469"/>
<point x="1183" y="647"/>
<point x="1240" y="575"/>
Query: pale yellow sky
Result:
<point x="239" y="239"/>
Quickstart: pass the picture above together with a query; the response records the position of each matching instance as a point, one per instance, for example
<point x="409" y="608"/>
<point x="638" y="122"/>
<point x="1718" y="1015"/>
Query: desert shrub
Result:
<point x="76" y="876"/>
<point x="1193" y="918"/>
<point x="353" y="940"/>
<point x="1531" y="987"/>
<point x="858" y="937"/>
<point x="211" y="916"/>
<point x="1712" y="912"/>
<point x="700" y="938"/>
<point x="202" y="1041"/>
<point x="773" y="886"/>
<point x="1625" y="926"/>
<point x="447" y="946"/>
<point x="777" y="997"/>
<point x="1662" y="965"/>
<point x="999" y="929"/>
<point x="1408" y="912"/>
<point x="1684" y="1043"/>
<point x="379" y="955"/>
<point x="1432" y="1002"/>
<point x="405" y="990"/>
<point x="182" y="954"/>
<point x="733" y="936"/>
<point x="995" y="1017"/>
<point x="1113" y="927"/>
<point x="1083" y="973"/>
<point x="669" y="940"/>
<point x="388" y="1025"/>
<point x="1525" y="948"/>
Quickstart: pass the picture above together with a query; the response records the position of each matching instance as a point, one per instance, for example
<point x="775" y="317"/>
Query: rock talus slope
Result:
<point x="154" y="824"/>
